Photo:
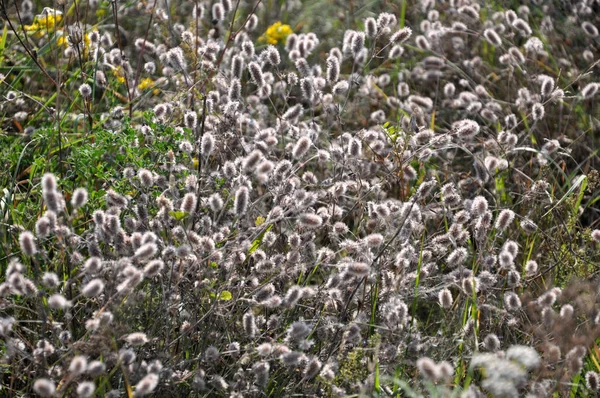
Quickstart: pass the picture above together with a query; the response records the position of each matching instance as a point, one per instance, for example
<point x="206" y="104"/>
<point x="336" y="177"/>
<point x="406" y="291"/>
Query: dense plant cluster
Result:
<point x="230" y="198"/>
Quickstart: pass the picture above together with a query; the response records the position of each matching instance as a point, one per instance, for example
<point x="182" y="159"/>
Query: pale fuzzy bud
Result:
<point x="256" y="74"/>
<point x="354" y="147"/>
<point x="86" y="389"/>
<point x="250" y="161"/>
<point x="215" y="202"/>
<point x="93" y="288"/>
<point x="423" y="43"/>
<point x="58" y="302"/>
<point x="358" y="43"/>
<point x="136" y="339"/>
<point x="261" y="373"/>
<point x="537" y="111"/>
<point x="505" y="218"/>
<point x="522" y="26"/>
<point x="590" y="90"/>
<point x="252" y="22"/>
<point x="333" y="69"/>
<point x="50" y="280"/>
<point x="371" y="27"/>
<point x="240" y="203"/>
<point x="207" y="144"/>
<point x="48" y="183"/>
<point x="307" y="88"/>
<point x="148" y="384"/>
<point x="153" y="268"/>
<point x="190" y="120"/>
<point x="85" y="90"/>
<point x="492" y="37"/>
<point x="491" y="342"/>
<point x="249" y="324"/>
<point x="401" y="35"/>
<point x="512" y="301"/>
<point x="592" y="381"/>
<point x="445" y="298"/>
<point x="358" y="269"/>
<point x="301" y="147"/>
<point x="78" y="365"/>
<point x="396" y="52"/>
<point x="273" y="56"/>
<point x="146" y="251"/>
<point x="27" y="243"/>
<point x="531" y="268"/>
<point x="79" y="198"/>
<point x="218" y="13"/>
<point x="589" y="29"/>
<point x="340" y="87"/>
<point x="308" y="220"/>
<point x="44" y="387"/>
<point x="92" y="265"/>
<point x="189" y="202"/>
<point x="428" y="368"/>
<point x="146" y="178"/>
<point x="467" y="129"/>
<point x="293" y="113"/>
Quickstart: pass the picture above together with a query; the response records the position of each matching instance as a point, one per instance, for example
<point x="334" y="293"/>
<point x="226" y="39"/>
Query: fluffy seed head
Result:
<point x="256" y="74"/>
<point x="78" y="365"/>
<point x="309" y="220"/>
<point x="149" y="382"/>
<point x="400" y="36"/>
<point x="371" y="27"/>
<point x="301" y="147"/>
<point x="445" y="298"/>
<point x="590" y="90"/>
<point x="218" y="12"/>
<point x="358" y="42"/>
<point x="428" y="368"/>
<point x="492" y="37"/>
<point x="27" y="243"/>
<point x="240" y="203"/>
<point x="85" y="90"/>
<point x="491" y="342"/>
<point x="188" y="204"/>
<point x="273" y="56"/>
<point x="589" y="29"/>
<point x="505" y="218"/>
<point x="467" y="129"/>
<point x="512" y="301"/>
<point x="44" y="387"/>
<point x="592" y="381"/>
<point x="93" y="288"/>
<point x="293" y="113"/>
<point x="85" y="389"/>
<point x="249" y="323"/>
<point x="79" y="198"/>
<point x="537" y="111"/>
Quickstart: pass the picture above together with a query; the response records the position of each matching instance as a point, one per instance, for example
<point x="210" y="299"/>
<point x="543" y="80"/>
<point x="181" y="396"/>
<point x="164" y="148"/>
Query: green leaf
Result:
<point x="225" y="295"/>
<point x="178" y="215"/>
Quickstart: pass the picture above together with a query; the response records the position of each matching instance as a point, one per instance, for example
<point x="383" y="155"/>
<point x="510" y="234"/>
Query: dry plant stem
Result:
<point x="120" y="45"/>
<point x="142" y="50"/>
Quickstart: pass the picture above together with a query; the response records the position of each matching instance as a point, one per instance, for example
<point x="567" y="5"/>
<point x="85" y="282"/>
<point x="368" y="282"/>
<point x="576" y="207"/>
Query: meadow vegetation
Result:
<point x="252" y="198"/>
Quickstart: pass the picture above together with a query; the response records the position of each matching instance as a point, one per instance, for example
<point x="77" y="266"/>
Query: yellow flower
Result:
<point x="145" y="83"/>
<point x="46" y="20"/>
<point x="276" y="33"/>
<point x="118" y="74"/>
